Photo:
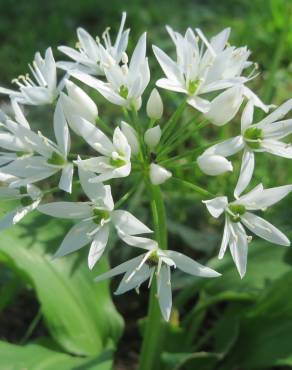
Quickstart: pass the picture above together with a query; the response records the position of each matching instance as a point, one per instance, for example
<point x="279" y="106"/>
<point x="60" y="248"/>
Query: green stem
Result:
<point x="196" y="188"/>
<point x="154" y="331"/>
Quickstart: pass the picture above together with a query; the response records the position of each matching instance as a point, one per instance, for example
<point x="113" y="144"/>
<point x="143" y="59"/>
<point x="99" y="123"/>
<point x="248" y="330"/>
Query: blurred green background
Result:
<point x="52" y="310"/>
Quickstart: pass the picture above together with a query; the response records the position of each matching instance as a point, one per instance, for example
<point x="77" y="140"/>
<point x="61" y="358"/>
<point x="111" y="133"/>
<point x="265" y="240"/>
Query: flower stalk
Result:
<point x="153" y="332"/>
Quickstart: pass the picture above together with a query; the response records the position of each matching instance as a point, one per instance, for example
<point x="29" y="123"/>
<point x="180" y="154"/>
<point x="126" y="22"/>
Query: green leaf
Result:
<point x="189" y="361"/>
<point x="266" y="263"/>
<point x="79" y="313"/>
<point x="266" y="330"/>
<point x="36" y="357"/>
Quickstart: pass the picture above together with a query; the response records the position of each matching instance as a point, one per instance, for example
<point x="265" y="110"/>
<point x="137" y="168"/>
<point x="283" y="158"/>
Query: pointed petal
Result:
<point x="69" y="210"/>
<point x="277" y="148"/>
<point x="238" y="247"/>
<point x="98" y="245"/>
<point x="65" y="182"/>
<point x="264" y="229"/>
<point x="164" y="292"/>
<point x="128" y="224"/>
<point x="216" y="206"/>
<point x="277" y="113"/>
<point x="169" y="67"/>
<point x="129" y="265"/>
<point x="225" y="239"/>
<point x="246" y="172"/>
<point x="189" y="266"/>
<point x="77" y="237"/>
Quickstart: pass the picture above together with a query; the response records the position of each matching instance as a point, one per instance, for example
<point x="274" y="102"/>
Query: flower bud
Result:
<point x="79" y="103"/>
<point x="225" y="106"/>
<point x="152" y="136"/>
<point x="131" y="136"/>
<point x="154" y="106"/>
<point x="214" y="164"/>
<point x="158" y="174"/>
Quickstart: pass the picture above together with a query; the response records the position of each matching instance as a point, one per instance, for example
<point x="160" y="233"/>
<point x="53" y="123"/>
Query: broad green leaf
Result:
<point x="36" y="357"/>
<point x="266" y="330"/>
<point x="79" y="313"/>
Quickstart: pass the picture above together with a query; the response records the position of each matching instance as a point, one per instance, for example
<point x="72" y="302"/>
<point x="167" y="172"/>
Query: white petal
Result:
<point x="278" y="130"/>
<point x="138" y="241"/>
<point x="219" y="41"/>
<point x="95" y="192"/>
<point x="216" y="206"/>
<point x="189" y="266"/>
<point x="225" y="239"/>
<point x="121" y="143"/>
<point x="202" y="105"/>
<point x="266" y="197"/>
<point x="77" y="237"/>
<point x="167" y="84"/>
<point x="277" y="113"/>
<point x="131" y="136"/>
<point x="169" y="67"/>
<point x="65" y="182"/>
<point x="247" y="116"/>
<point x="69" y="210"/>
<point x="136" y="280"/>
<point x="120" y="269"/>
<point x="214" y="165"/>
<point x="238" y="247"/>
<point x="277" y="148"/>
<point x="227" y="147"/>
<point x="138" y="56"/>
<point x="158" y="174"/>
<point x="128" y="224"/>
<point x="246" y="172"/>
<point x="164" y="292"/>
<point x="92" y="135"/>
<point x="225" y="106"/>
<point x="264" y="229"/>
<point x="98" y="245"/>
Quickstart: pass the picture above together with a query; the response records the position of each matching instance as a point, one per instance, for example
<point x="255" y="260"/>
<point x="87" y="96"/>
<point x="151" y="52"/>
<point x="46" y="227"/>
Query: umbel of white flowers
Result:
<point x="211" y="75"/>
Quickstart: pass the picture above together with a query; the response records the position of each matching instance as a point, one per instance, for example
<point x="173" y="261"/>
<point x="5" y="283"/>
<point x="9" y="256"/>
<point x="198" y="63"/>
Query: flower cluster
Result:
<point x="212" y="76"/>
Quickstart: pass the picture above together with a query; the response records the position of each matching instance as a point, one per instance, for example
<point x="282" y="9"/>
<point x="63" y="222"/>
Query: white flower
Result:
<point x="115" y="161"/>
<point x="214" y="165"/>
<point x="40" y="157"/>
<point x="237" y="214"/>
<point x="41" y="91"/>
<point x="198" y="71"/>
<point x="77" y="103"/>
<point x="89" y="58"/>
<point x="263" y="136"/>
<point x="125" y="84"/>
<point x="29" y="196"/>
<point x="156" y="262"/>
<point x="158" y="174"/>
<point x="152" y="136"/>
<point x="95" y="217"/>
<point x="154" y="107"/>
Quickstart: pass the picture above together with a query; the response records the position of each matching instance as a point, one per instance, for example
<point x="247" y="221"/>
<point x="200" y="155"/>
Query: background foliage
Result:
<point x="51" y="310"/>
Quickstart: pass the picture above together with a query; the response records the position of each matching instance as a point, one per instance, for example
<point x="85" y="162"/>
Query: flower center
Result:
<point x="56" y="159"/>
<point x="152" y="259"/>
<point x="236" y="211"/>
<point x="124" y="91"/>
<point x="193" y="86"/>
<point x="99" y="215"/>
<point x="253" y="137"/>
<point x="117" y="160"/>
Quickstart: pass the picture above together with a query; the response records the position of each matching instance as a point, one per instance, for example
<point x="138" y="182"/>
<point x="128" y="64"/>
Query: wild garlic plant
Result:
<point x="212" y="78"/>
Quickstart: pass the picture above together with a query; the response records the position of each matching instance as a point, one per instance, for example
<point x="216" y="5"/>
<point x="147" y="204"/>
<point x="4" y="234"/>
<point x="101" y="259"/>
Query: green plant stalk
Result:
<point x="154" y="330"/>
